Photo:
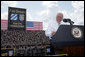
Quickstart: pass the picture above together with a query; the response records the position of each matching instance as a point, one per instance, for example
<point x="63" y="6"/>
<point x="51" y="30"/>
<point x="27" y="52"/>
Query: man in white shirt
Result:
<point x="53" y="26"/>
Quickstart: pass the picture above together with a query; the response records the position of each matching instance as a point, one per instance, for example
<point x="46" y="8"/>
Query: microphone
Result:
<point x="68" y="20"/>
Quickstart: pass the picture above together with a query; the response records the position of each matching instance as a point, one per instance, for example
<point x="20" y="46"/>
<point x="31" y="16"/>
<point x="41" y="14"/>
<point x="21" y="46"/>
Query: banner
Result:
<point x="16" y="18"/>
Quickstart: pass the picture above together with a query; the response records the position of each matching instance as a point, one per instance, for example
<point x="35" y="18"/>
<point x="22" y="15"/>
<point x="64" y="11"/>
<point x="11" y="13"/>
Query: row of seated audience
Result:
<point x="29" y="41"/>
<point x="24" y="37"/>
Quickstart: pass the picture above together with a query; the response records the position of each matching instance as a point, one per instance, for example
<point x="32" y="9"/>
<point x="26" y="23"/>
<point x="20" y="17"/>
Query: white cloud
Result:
<point x="43" y="15"/>
<point x="4" y="16"/>
<point x="8" y="4"/>
<point x="78" y="13"/>
<point x="78" y="5"/>
<point x="29" y="17"/>
<point x="49" y="3"/>
<point x="4" y="6"/>
<point x="51" y="9"/>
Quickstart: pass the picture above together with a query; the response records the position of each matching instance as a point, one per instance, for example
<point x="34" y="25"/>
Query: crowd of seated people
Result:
<point x="29" y="41"/>
<point x="24" y="37"/>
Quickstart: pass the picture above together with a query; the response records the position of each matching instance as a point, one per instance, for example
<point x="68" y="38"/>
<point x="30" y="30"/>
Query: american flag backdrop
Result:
<point x="34" y="25"/>
<point x="29" y="25"/>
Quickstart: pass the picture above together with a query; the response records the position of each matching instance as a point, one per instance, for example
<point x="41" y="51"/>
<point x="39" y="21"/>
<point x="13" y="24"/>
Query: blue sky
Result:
<point x="35" y="6"/>
<point x="45" y="11"/>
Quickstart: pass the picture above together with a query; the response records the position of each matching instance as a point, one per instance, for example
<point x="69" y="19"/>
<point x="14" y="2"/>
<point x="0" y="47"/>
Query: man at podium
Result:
<point x="52" y="28"/>
<point x="69" y="39"/>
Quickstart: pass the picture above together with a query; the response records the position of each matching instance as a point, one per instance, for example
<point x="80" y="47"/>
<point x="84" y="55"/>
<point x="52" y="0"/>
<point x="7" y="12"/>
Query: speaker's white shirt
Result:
<point x="53" y="27"/>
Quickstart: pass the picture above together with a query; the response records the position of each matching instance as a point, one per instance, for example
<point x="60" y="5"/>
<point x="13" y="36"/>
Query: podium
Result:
<point x="70" y="38"/>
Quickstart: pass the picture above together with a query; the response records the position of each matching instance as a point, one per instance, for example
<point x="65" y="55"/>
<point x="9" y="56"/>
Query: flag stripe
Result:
<point x="4" y="24"/>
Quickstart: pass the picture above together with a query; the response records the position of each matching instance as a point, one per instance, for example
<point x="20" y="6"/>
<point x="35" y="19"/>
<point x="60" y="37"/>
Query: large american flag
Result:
<point x="29" y="25"/>
<point x="4" y="24"/>
<point x="34" y="25"/>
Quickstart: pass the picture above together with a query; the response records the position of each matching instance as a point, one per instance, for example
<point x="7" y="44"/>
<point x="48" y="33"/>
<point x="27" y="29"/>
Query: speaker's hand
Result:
<point x="53" y="33"/>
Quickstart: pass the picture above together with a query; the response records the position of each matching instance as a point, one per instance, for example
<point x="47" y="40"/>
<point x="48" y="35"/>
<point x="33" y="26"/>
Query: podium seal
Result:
<point x="76" y="32"/>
